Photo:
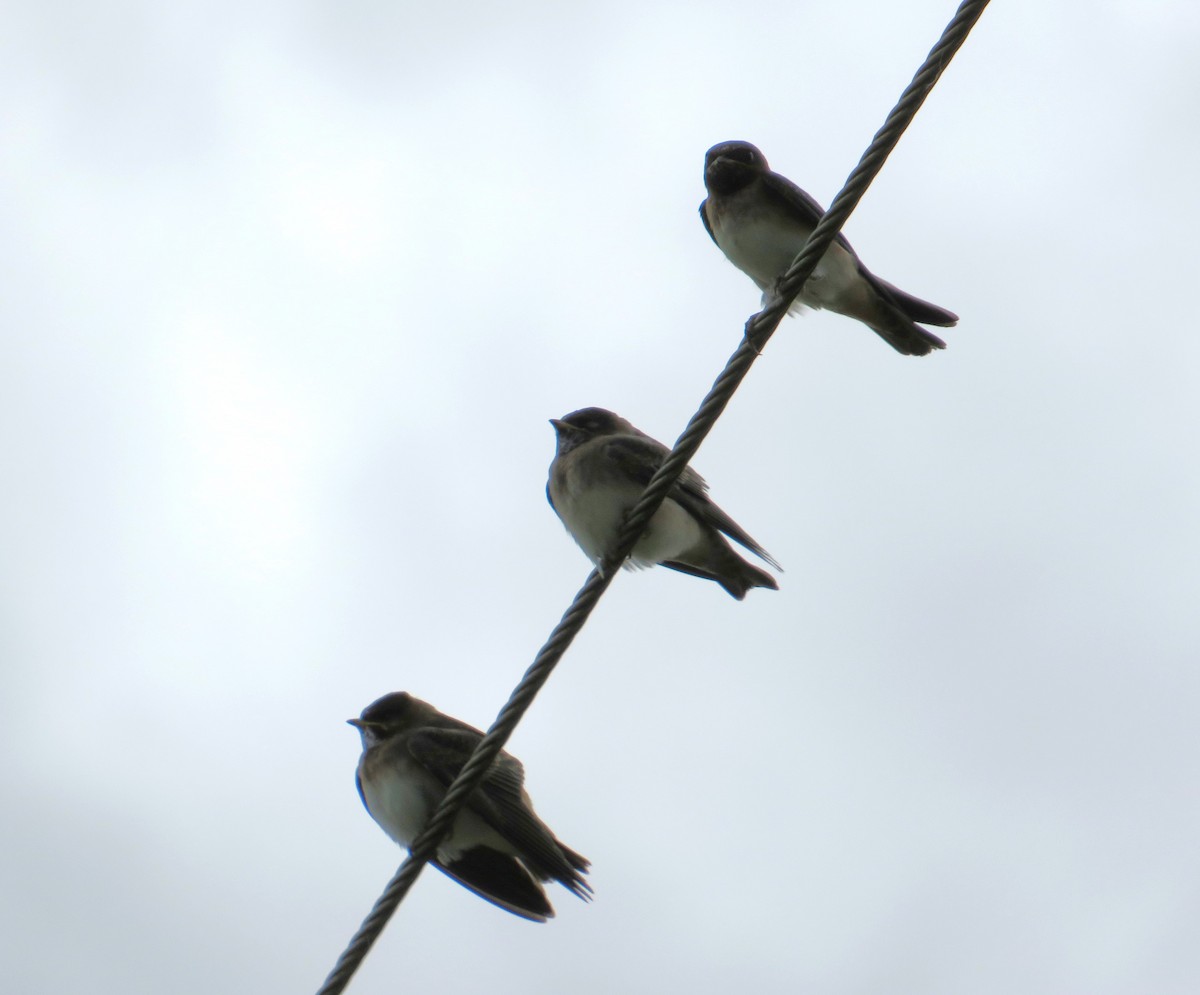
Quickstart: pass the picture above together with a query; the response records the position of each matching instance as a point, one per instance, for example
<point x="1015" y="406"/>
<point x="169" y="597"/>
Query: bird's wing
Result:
<point x="800" y="204"/>
<point x="500" y="799"/>
<point x="444" y="752"/>
<point x="640" y="457"/>
<point x="700" y="505"/>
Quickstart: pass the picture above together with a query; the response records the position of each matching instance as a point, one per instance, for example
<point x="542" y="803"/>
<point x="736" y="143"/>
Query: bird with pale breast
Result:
<point x="497" y="846"/>
<point x="602" y="465"/>
<point x="761" y="220"/>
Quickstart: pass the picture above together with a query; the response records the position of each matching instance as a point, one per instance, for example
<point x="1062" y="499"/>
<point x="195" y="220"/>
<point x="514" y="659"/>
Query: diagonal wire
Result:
<point x="759" y="328"/>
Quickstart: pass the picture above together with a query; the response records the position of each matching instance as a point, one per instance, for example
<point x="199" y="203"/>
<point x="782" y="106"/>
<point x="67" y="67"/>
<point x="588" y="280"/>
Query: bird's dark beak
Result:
<point x="558" y="424"/>
<point x="357" y="723"/>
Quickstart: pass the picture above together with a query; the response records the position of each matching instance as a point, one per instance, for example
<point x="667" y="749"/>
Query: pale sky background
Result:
<point x="289" y="292"/>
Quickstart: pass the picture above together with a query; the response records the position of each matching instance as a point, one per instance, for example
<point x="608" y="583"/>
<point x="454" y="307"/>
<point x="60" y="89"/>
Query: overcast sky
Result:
<point x="289" y="292"/>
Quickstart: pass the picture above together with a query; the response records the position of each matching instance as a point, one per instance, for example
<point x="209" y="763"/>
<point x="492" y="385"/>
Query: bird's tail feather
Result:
<point x="913" y="307"/>
<point x="734" y="574"/>
<point x="501" y="879"/>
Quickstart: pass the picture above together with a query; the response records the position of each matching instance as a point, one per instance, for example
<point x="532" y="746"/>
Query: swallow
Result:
<point x="601" y="467"/>
<point x="497" y="847"/>
<point x="761" y="220"/>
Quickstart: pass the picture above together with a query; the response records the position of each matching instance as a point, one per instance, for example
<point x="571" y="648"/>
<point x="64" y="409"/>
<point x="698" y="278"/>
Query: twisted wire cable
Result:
<point x="759" y="328"/>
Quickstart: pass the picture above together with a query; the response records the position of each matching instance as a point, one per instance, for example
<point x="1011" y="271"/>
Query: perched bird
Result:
<point x="600" y="469"/>
<point x="760" y="220"/>
<point x="498" y="847"/>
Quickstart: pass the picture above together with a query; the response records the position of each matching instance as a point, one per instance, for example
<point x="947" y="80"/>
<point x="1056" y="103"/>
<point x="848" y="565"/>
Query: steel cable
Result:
<point x="759" y="328"/>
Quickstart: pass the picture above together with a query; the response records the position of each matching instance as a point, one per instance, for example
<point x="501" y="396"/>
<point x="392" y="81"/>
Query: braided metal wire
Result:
<point x="759" y="328"/>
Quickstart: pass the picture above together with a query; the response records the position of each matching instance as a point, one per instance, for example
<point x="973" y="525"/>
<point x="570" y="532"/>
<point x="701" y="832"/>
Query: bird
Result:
<point x="760" y="220"/>
<point x="497" y="846"/>
<point x="602" y="465"/>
